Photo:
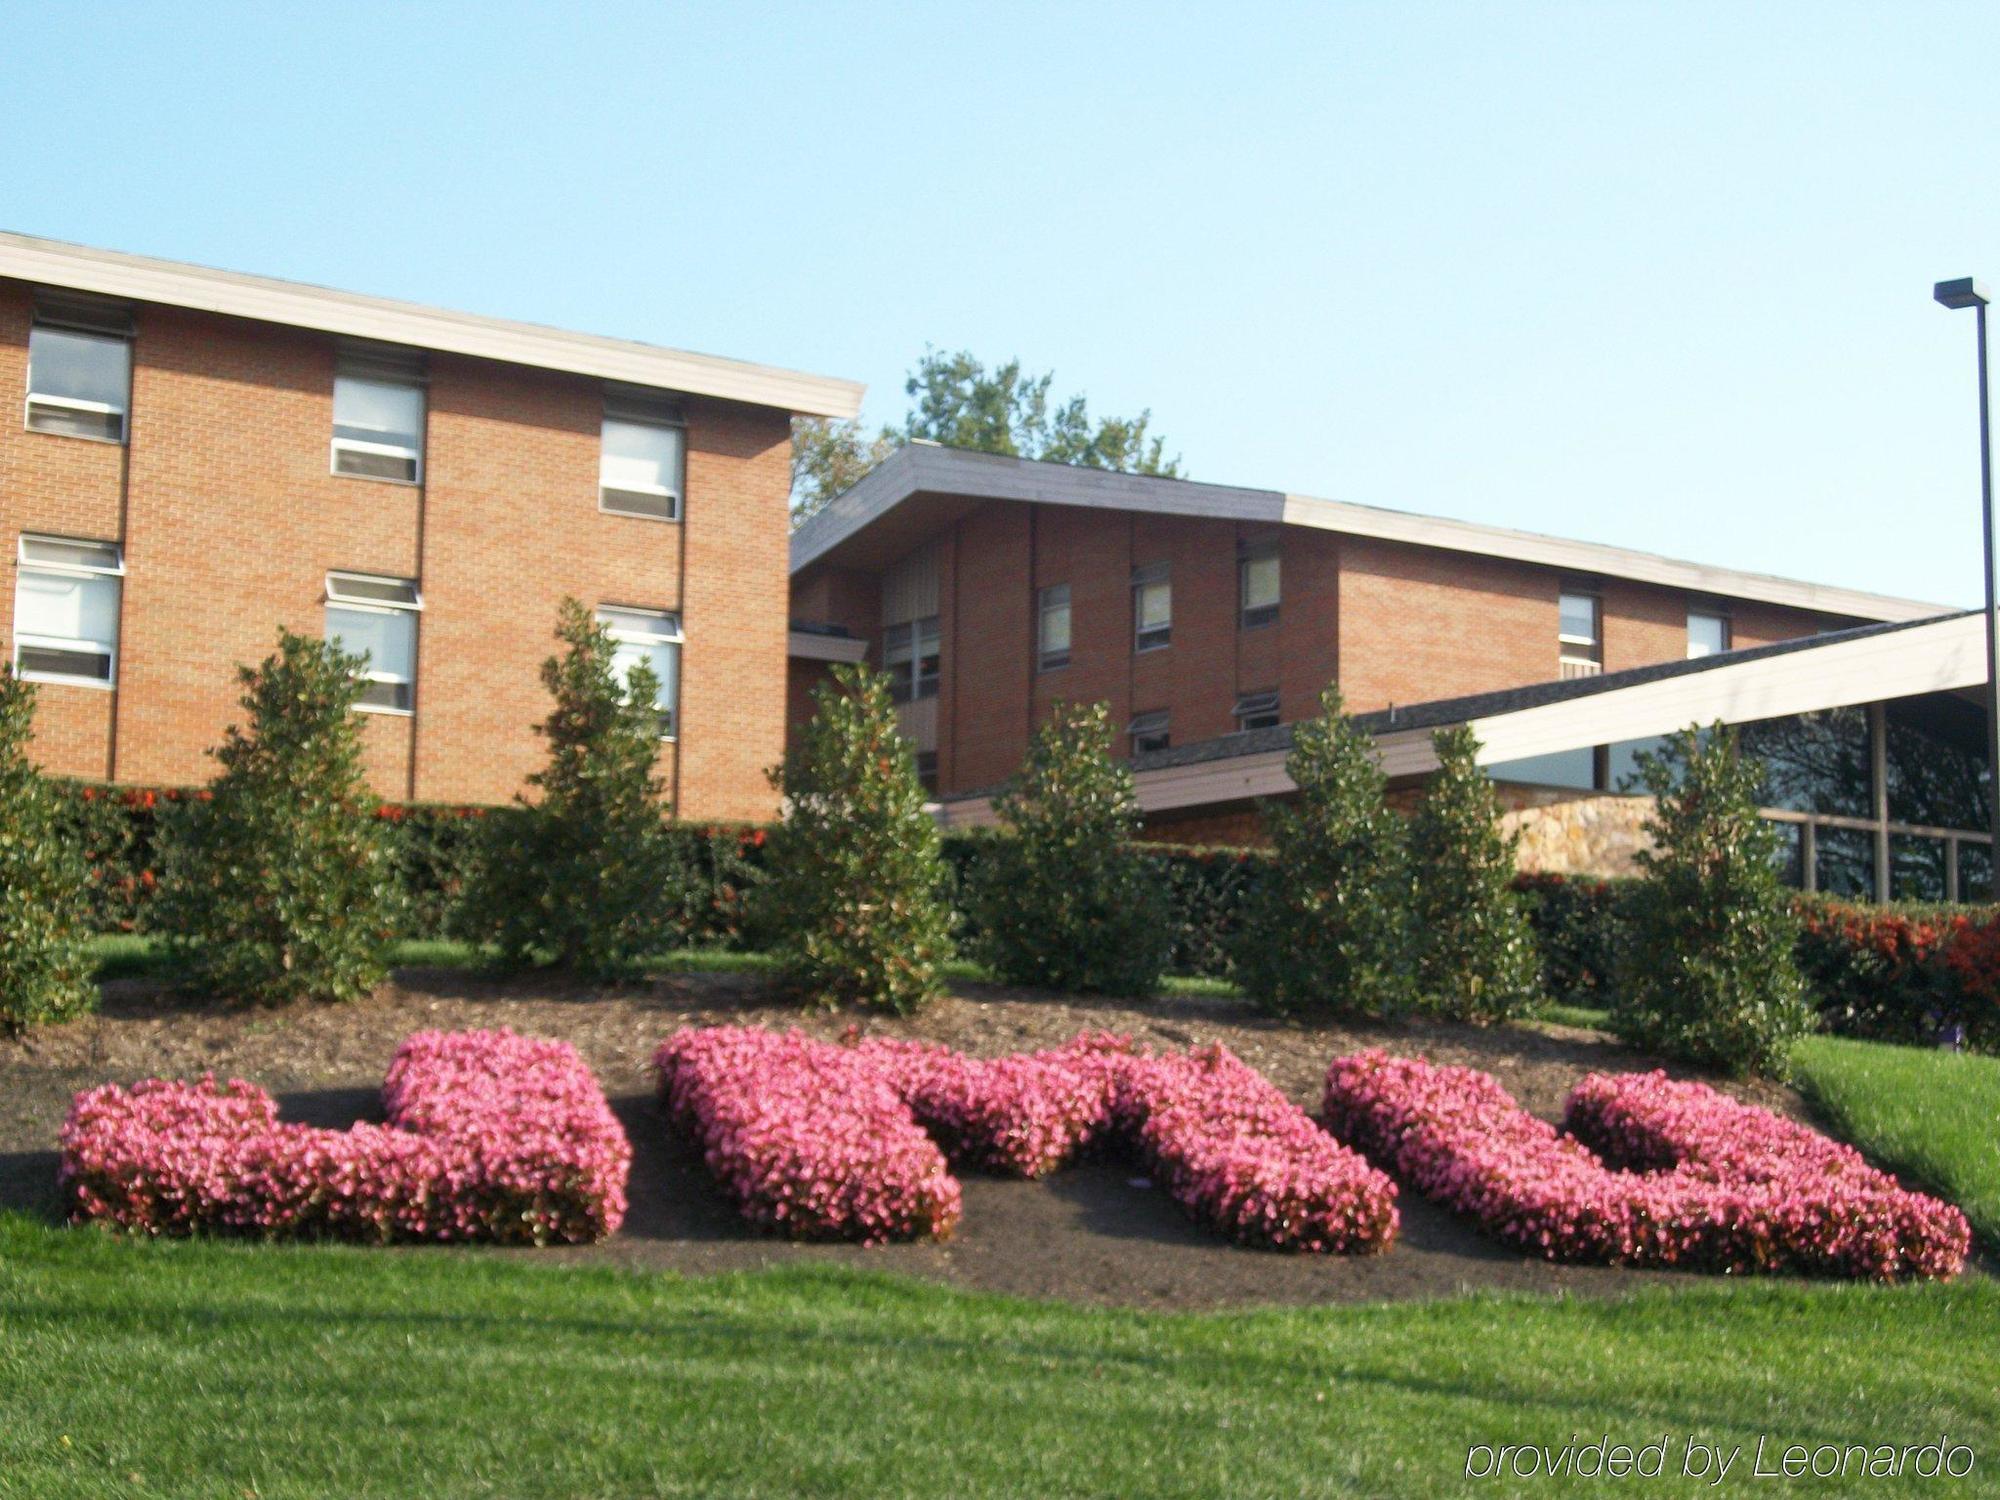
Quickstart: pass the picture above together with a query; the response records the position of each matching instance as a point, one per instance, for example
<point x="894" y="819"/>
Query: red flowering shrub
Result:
<point x="490" y="1136"/>
<point x="810" y="1139"/>
<point x="824" y="1141"/>
<point x="1688" y="1177"/>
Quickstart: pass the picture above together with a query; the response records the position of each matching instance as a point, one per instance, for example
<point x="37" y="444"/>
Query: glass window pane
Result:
<point x="66" y="608"/>
<point x="1936" y="756"/>
<point x="1578" y="616"/>
<point x="641" y="456"/>
<point x="1916" y="868"/>
<point x="389" y="638"/>
<point x="1846" y="862"/>
<point x="79" y="366"/>
<point x="1975" y="872"/>
<point x="1814" y="762"/>
<point x="1790" y="843"/>
<point x="640" y="622"/>
<point x="378" y="411"/>
<point x="1576" y="769"/>
<point x="1708" y="634"/>
<point x="1156" y="605"/>
<point x="1055" y="628"/>
<point x="1623" y="773"/>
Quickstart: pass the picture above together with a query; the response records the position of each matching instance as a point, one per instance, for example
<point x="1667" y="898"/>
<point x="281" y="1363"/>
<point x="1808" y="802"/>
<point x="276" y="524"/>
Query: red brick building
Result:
<point x="994" y="587"/>
<point x="204" y="456"/>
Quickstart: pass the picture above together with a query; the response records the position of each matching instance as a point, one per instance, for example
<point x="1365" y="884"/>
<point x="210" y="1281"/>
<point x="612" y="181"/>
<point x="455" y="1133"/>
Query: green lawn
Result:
<point x="1933" y="1116"/>
<point x="208" y="1369"/>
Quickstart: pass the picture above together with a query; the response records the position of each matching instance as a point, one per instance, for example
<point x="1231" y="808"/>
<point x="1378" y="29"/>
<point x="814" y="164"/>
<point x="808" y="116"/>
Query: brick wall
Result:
<point x="230" y="520"/>
<point x="1395" y="622"/>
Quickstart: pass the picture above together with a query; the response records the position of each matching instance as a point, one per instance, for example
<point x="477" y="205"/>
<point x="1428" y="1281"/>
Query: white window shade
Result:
<point x="66" y="598"/>
<point x="388" y="638"/>
<point x="378" y="427"/>
<point x="640" y="471"/>
<point x="78" y="383"/>
<point x="63" y="608"/>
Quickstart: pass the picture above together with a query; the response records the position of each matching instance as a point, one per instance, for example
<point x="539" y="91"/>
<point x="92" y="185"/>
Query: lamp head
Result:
<point x="1964" y="292"/>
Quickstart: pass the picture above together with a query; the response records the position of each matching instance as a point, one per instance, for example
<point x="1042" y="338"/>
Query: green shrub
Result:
<point x="1706" y="969"/>
<point x="853" y="901"/>
<point x="1475" y="954"/>
<point x="280" y="884"/>
<point x="584" y="876"/>
<point x="1329" y="926"/>
<point x="1065" y="900"/>
<point x="45" y="966"/>
<point x="1575" y="922"/>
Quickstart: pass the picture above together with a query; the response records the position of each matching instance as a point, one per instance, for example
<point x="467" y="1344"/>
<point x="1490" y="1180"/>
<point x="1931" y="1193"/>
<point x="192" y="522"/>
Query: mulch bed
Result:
<point x="1094" y="1233"/>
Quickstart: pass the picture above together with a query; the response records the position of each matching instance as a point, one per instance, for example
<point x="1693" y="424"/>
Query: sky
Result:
<point x="1654" y="275"/>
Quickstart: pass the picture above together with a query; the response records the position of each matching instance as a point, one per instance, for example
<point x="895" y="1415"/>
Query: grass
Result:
<point x="1572" y="1015"/>
<point x="1933" y="1116"/>
<point x="207" y="1369"/>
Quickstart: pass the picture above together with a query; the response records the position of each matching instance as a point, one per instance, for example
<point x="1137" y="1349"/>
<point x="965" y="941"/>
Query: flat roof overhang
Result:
<point x="1866" y="665"/>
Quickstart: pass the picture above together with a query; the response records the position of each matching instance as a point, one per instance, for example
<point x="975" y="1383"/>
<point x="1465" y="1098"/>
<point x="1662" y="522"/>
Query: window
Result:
<point x="927" y="771"/>
<point x="1708" y="633"/>
<point x="653" y="637"/>
<point x="1149" y="731"/>
<point x="66" y="610"/>
<point x="1052" y="635"/>
<point x="376" y="617"/>
<point x="910" y="657"/>
<point x="1257" y="585"/>
<point x="642" y="468"/>
<point x="1152" y="607"/>
<point x="1257" y="711"/>
<point x="1580" y="647"/>
<point x="79" y="369"/>
<point x="378" y="417"/>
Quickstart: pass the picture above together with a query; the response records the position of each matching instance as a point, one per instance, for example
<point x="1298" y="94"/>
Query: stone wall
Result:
<point x="1575" y="833"/>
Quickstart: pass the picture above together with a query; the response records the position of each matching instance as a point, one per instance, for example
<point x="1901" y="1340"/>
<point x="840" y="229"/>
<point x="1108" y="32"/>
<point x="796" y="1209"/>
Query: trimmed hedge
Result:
<point x="1917" y="975"/>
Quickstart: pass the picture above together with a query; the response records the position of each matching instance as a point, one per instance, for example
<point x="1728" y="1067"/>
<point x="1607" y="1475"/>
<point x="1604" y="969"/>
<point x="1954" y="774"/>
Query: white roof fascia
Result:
<point x="265" y="299"/>
<point x="812" y="646"/>
<point x="1938" y="657"/>
<point x="1598" y="557"/>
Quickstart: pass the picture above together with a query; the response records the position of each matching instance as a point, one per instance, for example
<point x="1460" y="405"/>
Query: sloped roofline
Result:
<point x="925" y="468"/>
<point x="138" y="278"/>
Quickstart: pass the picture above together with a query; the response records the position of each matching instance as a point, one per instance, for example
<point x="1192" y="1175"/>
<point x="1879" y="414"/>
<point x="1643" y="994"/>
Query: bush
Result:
<point x="1329" y="928"/>
<point x="1575" y="922"/>
<point x="280" y="884"/>
<point x="1475" y="954"/>
<point x="1065" y="901"/>
<point x="1706" y="970"/>
<point x="853" y="901"/>
<point x="45" y="967"/>
<point x="584" y="877"/>
<point x="490" y="1136"/>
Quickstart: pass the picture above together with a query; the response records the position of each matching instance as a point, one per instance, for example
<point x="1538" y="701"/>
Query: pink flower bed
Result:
<point x="810" y="1139"/>
<point x="490" y="1136"/>
<point x="1689" y="1177"/>
<point x="824" y="1141"/>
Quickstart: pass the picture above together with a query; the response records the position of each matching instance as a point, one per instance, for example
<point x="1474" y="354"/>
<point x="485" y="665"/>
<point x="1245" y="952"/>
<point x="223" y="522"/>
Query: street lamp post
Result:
<point x="1966" y="292"/>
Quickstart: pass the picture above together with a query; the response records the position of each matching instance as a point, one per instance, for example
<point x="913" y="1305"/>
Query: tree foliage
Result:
<point x="1706" y="970"/>
<point x="281" y="883"/>
<point x="957" y="402"/>
<point x="1328" y="925"/>
<point x="1475" y="954"/>
<point x="584" y="876"/>
<point x="45" y="971"/>
<point x="1065" y="901"/>
<point x="853" y="904"/>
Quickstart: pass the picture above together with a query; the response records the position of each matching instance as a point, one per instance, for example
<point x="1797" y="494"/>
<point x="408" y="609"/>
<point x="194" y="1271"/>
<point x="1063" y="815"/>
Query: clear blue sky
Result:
<point x="1649" y="275"/>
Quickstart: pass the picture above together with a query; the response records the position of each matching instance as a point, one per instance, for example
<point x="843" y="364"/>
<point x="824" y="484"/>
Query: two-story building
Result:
<point x="204" y="456"/>
<point x="1210" y="618"/>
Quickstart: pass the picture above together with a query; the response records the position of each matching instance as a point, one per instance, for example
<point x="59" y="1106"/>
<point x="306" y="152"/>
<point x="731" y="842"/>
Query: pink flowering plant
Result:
<point x="1651" y="1173"/>
<point x="490" y="1136"/>
<point x="818" y="1140"/>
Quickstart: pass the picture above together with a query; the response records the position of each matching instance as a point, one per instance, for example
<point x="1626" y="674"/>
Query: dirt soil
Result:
<point x="1095" y="1233"/>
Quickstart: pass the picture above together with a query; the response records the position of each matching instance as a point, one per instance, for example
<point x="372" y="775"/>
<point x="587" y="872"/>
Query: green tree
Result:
<point x="584" y="876"/>
<point x="1706" y="969"/>
<point x="1327" y="924"/>
<point x="852" y="903"/>
<point x="281" y="883"/>
<point x="956" y="401"/>
<point x="45" y="971"/>
<point x="1065" y="901"/>
<point x="1475" y="953"/>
